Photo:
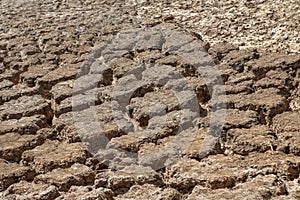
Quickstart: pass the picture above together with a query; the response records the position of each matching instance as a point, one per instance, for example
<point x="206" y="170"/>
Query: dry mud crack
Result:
<point x="149" y="100"/>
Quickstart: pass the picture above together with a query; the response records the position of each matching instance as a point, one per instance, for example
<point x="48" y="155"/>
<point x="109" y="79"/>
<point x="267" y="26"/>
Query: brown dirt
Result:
<point x="46" y="48"/>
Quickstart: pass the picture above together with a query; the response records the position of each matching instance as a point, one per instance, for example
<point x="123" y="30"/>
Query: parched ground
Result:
<point x="78" y="122"/>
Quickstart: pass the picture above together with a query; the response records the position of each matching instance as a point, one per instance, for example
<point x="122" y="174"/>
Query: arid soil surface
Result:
<point x="149" y="99"/>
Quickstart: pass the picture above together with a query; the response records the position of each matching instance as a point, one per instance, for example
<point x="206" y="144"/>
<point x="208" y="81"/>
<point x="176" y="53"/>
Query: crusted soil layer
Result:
<point x="138" y="99"/>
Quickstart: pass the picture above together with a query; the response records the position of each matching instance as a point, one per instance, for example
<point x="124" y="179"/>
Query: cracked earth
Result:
<point x="149" y="100"/>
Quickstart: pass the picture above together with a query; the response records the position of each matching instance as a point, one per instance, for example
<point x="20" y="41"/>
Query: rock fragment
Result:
<point x="133" y="175"/>
<point x="219" y="171"/>
<point x="25" y="106"/>
<point x="55" y="154"/>
<point x="259" y="188"/>
<point x="257" y="138"/>
<point x="87" y="193"/>
<point x="13" y="145"/>
<point x="150" y="192"/>
<point x="27" y="191"/>
<point x="25" y="125"/>
<point x="12" y="173"/>
<point x="64" y="178"/>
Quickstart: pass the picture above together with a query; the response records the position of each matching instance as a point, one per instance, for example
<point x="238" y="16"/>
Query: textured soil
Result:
<point x="227" y="127"/>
